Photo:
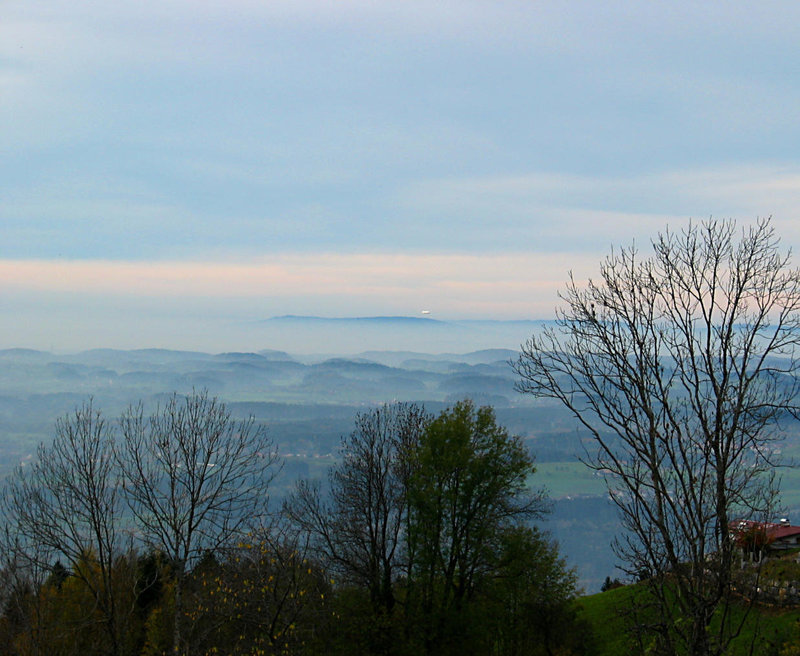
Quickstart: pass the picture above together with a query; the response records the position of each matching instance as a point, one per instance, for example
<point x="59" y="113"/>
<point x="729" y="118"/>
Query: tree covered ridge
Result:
<point x="153" y="535"/>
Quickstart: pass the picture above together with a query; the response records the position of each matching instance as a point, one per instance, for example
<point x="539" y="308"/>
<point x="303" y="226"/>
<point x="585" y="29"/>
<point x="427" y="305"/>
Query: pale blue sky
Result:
<point x="164" y="160"/>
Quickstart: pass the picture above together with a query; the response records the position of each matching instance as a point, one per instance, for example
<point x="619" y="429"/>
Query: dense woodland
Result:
<point x="154" y="534"/>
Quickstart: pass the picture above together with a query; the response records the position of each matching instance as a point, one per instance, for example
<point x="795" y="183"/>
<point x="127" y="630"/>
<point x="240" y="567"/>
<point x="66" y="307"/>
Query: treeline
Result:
<point x="153" y="535"/>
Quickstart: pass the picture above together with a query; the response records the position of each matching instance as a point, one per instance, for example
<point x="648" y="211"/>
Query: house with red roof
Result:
<point x="752" y="536"/>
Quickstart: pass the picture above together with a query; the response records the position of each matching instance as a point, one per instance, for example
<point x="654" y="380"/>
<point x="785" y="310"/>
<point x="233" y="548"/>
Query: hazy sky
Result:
<point x="172" y="169"/>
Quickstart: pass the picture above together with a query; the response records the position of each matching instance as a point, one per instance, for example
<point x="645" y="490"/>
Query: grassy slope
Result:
<point x="775" y="627"/>
<point x="602" y="613"/>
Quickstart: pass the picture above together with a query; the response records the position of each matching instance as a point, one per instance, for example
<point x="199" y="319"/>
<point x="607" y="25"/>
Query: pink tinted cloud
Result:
<point x="466" y="285"/>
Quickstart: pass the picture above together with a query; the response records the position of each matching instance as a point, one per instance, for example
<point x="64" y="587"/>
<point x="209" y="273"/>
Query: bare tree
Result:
<point x="194" y="479"/>
<point x="358" y="531"/>
<point x="66" y="505"/>
<point x="681" y="366"/>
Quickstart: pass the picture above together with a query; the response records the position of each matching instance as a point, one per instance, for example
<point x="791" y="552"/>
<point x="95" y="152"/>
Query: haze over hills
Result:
<point x="428" y="334"/>
<point x="217" y="330"/>
<point x="308" y="401"/>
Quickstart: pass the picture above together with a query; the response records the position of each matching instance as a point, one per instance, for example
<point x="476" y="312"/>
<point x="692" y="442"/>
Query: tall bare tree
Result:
<point x="681" y="366"/>
<point x="358" y="530"/>
<point x="194" y="479"/>
<point x="66" y="505"/>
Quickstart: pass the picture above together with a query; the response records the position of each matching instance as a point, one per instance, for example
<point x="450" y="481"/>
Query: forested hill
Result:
<point x="309" y="402"/>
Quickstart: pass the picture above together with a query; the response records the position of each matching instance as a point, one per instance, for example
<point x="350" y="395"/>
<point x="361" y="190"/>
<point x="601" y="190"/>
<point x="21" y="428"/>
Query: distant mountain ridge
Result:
<point x="310" y="336"/>
<point x="406" y="358"/>
<point x="375" y="319"/>
<point x="399" y="317"/>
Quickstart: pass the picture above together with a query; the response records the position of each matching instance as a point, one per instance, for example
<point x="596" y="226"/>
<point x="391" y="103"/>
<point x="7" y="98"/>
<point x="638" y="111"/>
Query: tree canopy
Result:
<point x="681" y="365"/>
<point x="150" y="536"/>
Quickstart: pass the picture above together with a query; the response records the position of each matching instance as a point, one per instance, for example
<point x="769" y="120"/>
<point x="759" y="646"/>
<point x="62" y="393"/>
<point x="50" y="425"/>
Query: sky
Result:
<point x="173" y="172"/>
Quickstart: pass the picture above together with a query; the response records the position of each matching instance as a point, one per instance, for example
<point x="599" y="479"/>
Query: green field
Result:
<point x="776" y="629"/>
<point x="562" y="479"/>
<point x="573" y="478"/>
